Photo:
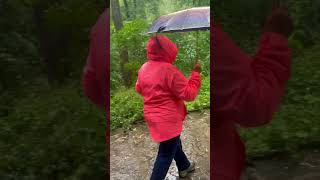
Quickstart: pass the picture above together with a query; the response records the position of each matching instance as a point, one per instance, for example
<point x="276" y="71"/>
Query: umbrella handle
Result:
<point x="191" y="60"/>
<point x="197" y="48"/>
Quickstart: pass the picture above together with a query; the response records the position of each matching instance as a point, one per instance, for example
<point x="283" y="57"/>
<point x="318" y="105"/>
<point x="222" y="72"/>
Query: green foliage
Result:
<point x="296" y="47"/>
<point x="203" y="100"/>
<point x="132" y="38"/>
<point x="45" y="132"/>
<point x="300" y="36"/>
<point x="18" y="48"/>
<point x="132" y="68"/>
<point x="126" y="106"/>
<point x="192" y="46"/>
<point x="52" y="134"/>
<point x="67" y="25"/>
<point x="297" y="42"/>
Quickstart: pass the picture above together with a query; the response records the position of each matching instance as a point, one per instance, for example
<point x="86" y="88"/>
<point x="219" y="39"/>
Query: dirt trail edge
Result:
<point x="133" y="153"/>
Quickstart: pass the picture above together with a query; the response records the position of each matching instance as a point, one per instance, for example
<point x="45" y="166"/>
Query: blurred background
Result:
<point x="295" y="129"/>
<point x="48" y="129"/>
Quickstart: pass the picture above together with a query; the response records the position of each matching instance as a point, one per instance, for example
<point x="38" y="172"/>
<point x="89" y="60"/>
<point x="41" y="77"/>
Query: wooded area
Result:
<point x="297" y="124"/>
<point x="130" y="23"/>
<point x="48" y="129"/>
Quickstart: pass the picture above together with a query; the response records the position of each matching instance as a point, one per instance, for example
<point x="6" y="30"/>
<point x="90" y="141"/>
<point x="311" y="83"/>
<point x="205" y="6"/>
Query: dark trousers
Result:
<point x="169" y="150"/>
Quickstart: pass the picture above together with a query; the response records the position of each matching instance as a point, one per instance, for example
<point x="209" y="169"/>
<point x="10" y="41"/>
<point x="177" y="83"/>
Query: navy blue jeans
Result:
<point x="169" y="150"/>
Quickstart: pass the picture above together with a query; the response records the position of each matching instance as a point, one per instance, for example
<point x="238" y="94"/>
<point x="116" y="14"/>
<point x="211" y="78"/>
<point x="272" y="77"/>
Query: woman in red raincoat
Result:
<point x="246" y="90"/>
<point x="164" y="89"/>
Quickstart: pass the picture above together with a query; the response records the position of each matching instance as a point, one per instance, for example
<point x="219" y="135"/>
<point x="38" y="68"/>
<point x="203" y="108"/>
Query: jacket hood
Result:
<point x="161" y="48"/>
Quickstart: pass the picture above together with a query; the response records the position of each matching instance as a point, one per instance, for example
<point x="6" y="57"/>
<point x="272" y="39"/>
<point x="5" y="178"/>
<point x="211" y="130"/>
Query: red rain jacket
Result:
<point x="246" y="91"/>
<point x="96" y="77"/>
<point x="164" y="89"/>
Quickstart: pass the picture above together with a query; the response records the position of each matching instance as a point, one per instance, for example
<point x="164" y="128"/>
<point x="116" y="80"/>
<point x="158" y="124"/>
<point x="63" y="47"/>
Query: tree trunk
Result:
<point x="135" y="5"/>
<point x="154" y="5"/>
<point x="140" y="9"/>
<point x="124" y="55"/>
<point x="44" y="42"/>
<point x="134" y="10"/>
<point x="116" y="14"/>
<point x="127" y="9"/>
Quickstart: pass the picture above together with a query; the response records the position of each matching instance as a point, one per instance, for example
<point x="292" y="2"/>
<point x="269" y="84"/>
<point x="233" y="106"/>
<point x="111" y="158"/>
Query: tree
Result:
<point x="127" y="9"/>
<point x="45" y="46"/>
<point x="153" y="6"/>
<point x="124" y="55"/>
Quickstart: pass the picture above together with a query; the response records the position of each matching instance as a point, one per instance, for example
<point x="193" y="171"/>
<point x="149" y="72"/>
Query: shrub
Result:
<point x="126" y="107"/>
<point x="53" y="134"/>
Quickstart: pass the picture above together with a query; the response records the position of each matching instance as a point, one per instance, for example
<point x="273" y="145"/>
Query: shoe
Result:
<point x="184" y="173"/>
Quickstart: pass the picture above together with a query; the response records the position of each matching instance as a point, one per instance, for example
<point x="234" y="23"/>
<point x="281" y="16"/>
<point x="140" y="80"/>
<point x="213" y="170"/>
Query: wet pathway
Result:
<point x="133" y="153"/>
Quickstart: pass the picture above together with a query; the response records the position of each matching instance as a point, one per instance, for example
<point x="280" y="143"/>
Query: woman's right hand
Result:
<point x="197" y="68"/>
<point x="279" y="21"/>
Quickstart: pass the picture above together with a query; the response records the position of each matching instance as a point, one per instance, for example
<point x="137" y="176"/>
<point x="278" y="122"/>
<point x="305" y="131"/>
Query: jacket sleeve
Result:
<point x="181" y="87"/>
<point x="249" y="90"/>
<point x="90" y="83"/>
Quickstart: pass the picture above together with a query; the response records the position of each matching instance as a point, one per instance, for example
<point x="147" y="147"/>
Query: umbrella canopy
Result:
<point x="193" y="19"/>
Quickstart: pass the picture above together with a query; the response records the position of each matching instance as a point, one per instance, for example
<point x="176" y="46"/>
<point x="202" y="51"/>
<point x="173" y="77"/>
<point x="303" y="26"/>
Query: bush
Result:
<point x="53" y="134"/>
<point x="132" y="38"/>
<point x="126" y="107"/>
<point x="132" y="68"/>
<point x="203" y="100"/>
<point x="192" y="46"/>
<point x="296" y="47"/>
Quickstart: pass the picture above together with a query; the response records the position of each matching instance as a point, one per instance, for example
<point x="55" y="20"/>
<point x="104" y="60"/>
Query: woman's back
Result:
<point x="164" y="89"/>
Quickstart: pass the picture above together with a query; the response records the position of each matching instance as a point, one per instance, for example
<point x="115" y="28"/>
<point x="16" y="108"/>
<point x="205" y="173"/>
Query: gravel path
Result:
<point x="133" y="153"/>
